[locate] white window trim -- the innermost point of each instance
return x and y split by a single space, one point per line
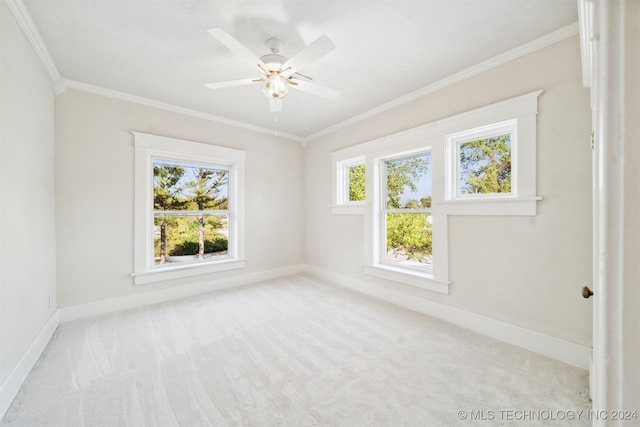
522 109
148 147
518 116
435 278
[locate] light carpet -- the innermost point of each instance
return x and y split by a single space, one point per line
289 352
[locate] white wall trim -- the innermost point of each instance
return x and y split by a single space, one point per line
585 20
147 147
122 96
23 18
525 49
12 384
574 354
113 305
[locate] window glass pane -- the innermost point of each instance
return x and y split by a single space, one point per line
188 186
189 237
408 239
485 166
357 183
409 182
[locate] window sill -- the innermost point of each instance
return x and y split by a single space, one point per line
180 271
525 206
353 209
409 277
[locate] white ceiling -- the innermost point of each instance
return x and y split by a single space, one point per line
160 49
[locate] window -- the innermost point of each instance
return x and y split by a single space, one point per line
480 162
349 186
483 161
406 211
189 208
409 239
191 215
491 160
356 183
351 182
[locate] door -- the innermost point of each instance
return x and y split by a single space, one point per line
613 41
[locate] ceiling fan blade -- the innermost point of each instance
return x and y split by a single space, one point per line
275 104
314 89
308 55
235 46
298 75
231 83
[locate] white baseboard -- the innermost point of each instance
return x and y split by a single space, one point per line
571 353
556 348
12 384
113 305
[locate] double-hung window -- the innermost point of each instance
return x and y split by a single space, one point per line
409 242
191 216
405 216
189 208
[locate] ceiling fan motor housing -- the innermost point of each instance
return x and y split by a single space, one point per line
273 61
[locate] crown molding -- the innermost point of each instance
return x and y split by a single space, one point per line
23 18
110 93
60 84
510 55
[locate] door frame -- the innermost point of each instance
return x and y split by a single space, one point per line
610 41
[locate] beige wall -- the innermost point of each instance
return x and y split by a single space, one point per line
27 236
94 193
522 270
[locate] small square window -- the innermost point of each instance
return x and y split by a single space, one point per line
484 165
482 162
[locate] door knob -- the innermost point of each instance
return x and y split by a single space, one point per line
586 292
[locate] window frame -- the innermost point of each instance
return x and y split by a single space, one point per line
384 210
521 112
205 213
454 143
149 147
342 161
344 179
405 144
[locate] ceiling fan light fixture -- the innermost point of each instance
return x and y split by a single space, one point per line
275 86
277 72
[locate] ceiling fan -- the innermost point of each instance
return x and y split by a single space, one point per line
277 72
